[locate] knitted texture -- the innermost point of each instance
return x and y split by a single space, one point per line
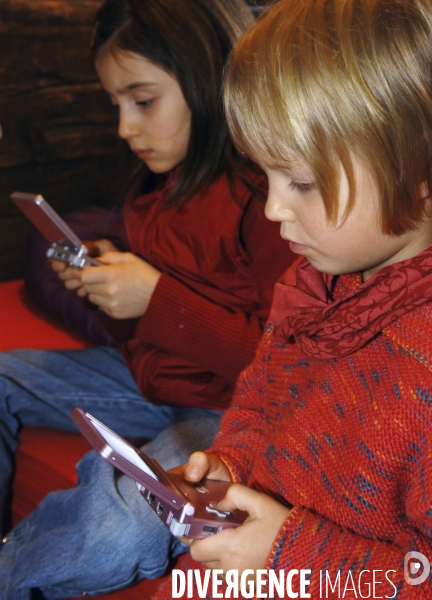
346 441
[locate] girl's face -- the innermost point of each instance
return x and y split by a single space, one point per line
153 115
356 244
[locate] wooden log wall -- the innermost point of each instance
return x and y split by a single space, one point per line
59 128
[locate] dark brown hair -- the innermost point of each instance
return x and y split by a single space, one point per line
192 40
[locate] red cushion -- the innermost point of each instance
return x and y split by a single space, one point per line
46 458
23 325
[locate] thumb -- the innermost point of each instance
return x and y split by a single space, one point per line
114 258
102 246
242 498
198 466
205 464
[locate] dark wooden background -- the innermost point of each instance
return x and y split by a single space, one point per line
59 129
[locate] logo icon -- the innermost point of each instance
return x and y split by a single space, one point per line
416 568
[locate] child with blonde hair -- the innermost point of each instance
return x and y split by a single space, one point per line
328 437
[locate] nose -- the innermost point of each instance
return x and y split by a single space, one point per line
128 126
278 208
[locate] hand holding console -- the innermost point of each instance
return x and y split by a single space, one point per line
187 510
65 245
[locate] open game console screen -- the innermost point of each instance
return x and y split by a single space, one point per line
118 445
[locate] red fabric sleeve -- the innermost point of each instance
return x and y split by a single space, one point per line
243 426
343 564
209 335
307 541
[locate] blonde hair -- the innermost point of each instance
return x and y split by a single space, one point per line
325 79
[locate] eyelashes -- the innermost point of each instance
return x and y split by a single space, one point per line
145 103
301 187
142 103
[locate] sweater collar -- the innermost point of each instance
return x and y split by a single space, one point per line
331 316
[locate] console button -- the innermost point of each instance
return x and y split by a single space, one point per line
212 508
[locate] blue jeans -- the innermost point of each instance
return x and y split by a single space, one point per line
101 535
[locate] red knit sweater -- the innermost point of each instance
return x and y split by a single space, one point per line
220 260
345 439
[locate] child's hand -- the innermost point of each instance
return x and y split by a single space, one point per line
99 247
122 288
247 546
200 465
71 275
203 464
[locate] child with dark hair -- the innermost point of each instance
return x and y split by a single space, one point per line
328 436
198 278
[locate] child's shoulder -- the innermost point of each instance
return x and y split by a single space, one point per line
413 333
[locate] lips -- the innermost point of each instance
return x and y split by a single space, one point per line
298 248
142 154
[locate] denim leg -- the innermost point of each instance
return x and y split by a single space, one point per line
40 388
101 535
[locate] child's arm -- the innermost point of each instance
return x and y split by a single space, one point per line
206 333
179 319
305 539
278 538
308 541
337 562
122 288
305 532
242 437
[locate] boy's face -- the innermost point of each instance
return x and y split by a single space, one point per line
355 244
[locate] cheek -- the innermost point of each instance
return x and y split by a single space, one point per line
356 241
172 131
173 122
313 220
183 130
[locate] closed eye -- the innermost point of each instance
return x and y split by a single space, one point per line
145 103
302 187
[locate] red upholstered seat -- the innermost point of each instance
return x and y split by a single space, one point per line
46 458
23 326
